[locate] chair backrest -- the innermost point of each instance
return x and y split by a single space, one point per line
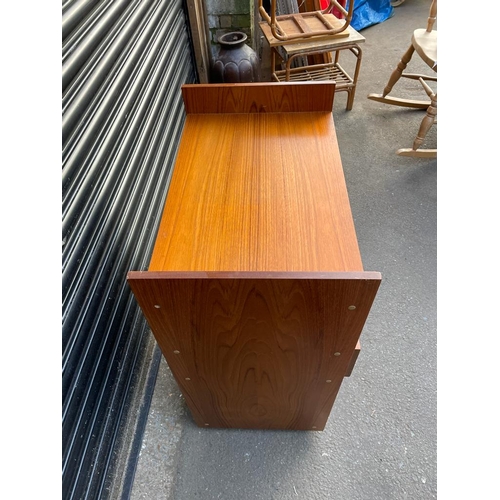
432 16
303 26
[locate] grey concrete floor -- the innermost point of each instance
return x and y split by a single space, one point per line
380 440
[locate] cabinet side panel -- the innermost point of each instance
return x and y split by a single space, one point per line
257 353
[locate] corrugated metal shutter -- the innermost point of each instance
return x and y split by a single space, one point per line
124 62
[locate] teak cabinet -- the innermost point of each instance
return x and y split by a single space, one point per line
256 292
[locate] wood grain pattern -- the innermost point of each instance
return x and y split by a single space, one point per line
258 97
256 291
257 192
252 352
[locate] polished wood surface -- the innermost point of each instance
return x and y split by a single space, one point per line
256 291
258 98
257 192
258 353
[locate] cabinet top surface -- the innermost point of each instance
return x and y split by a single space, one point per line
257 192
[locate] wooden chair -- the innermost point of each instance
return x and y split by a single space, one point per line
303 26
424 43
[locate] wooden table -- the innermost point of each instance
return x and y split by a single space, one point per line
320 68
256 291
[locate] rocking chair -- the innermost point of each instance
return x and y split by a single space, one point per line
424 43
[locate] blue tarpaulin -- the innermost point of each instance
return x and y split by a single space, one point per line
369 12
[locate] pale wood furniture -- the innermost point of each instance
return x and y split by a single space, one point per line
424 43
256 291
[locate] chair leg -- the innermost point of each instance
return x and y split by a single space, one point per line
352 91
428 120
395 76
426 124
